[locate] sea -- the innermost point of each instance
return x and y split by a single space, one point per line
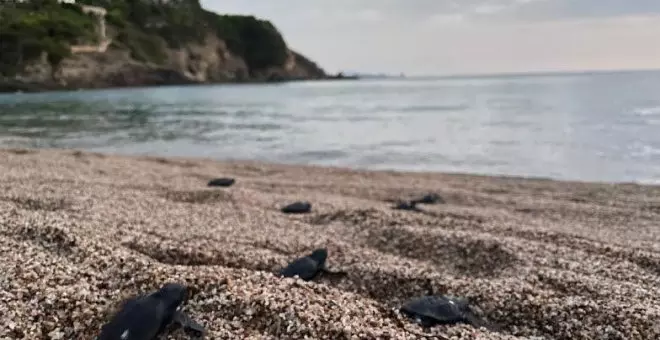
583 126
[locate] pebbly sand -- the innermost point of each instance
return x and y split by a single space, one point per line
541 259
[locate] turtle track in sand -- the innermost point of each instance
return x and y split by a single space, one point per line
580 263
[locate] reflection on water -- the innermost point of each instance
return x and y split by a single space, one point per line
590 127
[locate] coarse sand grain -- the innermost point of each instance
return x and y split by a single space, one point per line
540 259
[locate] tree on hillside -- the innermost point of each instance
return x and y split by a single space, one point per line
145 27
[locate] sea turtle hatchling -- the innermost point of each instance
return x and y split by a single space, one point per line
430 311
146 317
300 207
406 205
221 182
309 267
430 198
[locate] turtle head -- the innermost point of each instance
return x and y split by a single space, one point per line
319 255
173 294
461 302
473 314
466 307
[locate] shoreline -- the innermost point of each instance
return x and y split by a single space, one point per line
365 170
14 87
538 257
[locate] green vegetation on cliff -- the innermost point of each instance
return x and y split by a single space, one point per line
257 41
36 28
29 29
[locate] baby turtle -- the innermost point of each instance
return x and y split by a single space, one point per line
430 311
146 317
407 205
222 182
309 267
431 198
297 208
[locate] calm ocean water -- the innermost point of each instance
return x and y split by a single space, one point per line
597 127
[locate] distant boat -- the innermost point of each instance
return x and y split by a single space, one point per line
358 75
378 75
342 76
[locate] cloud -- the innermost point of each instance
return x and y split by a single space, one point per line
489 8
336 16
511 9
542 10
370 15
476 10
465 36
444 19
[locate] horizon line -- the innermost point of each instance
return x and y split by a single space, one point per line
501 74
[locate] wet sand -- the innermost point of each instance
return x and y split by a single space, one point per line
539 258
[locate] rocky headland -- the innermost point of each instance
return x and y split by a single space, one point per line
48 45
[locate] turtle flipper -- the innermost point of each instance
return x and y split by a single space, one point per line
479 322
189 325
196 329
327 271
429 287
425 321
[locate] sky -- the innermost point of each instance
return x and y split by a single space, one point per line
444 37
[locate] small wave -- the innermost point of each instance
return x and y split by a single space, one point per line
316 155
424 108
256 126
374 111
648 181
510 142
509 124
395 143
647 111
645 151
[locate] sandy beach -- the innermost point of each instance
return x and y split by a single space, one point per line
541 259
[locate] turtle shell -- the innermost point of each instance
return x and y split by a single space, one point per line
434 310
297 208
139 319
144 317
431 198
221 182
406 205
305 267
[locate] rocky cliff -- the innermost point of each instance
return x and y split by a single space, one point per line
210 62
222 49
